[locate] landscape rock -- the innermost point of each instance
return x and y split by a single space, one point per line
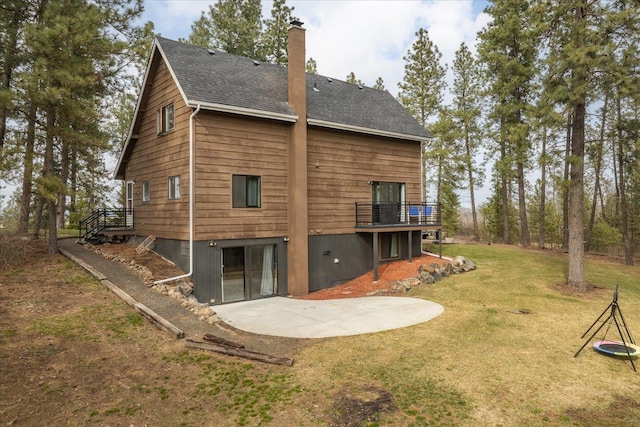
427 268
425 277
185 288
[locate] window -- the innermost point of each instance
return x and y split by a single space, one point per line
246 191
165 119
388 245
174 187
146 194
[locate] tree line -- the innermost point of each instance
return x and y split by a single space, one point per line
65 101
552 91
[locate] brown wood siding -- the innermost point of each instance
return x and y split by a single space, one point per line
227 146
341 167
155 158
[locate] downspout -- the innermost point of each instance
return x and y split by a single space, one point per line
192 186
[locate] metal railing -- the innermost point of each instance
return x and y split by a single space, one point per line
385 214
103 219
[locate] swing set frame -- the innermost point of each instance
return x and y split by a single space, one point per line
615 317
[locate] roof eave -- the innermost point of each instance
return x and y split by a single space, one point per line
119 170
263 114
368 131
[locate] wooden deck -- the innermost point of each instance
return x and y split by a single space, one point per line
119 231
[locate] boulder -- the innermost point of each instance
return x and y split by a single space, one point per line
448 269
185 288
426 269
425 278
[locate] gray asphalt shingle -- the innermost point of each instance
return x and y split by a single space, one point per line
231 80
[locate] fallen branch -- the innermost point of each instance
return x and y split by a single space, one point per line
261 357
217 340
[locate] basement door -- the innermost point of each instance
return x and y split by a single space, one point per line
249 272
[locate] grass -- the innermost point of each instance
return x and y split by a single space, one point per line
484 361
247 394
502 353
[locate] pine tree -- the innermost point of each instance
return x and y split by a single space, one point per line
422 86
312 66
423 83
508 51
202 31
76 61
234 26
444 156
13 15
351 78
274 38
584 39
466 115
379 84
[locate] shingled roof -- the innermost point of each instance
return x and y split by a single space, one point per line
214 78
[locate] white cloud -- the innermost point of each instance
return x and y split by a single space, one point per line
173 18
368 37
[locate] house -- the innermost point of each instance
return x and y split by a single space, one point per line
261 180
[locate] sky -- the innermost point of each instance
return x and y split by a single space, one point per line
366 37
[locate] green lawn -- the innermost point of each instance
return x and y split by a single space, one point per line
502 353
482 362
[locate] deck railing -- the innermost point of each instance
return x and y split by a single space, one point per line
104 219
386 214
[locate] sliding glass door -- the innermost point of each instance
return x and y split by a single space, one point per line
249 272
388 201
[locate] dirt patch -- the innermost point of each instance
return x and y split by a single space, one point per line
356 406
358 287
160 267
622 408
387 275
591 291
72 353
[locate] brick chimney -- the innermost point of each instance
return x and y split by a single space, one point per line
298 246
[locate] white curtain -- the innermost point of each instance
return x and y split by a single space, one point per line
266 287
393 251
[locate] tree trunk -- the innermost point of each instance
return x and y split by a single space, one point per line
525 237
565 190
474 215
74 184
27 177
576 276
624 206
64 174
543 189
596 186
37 218
504 196
49 177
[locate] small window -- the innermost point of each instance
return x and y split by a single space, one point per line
246 191
146 194
165 119
174 187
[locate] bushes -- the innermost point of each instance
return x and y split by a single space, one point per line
605 239
13 250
